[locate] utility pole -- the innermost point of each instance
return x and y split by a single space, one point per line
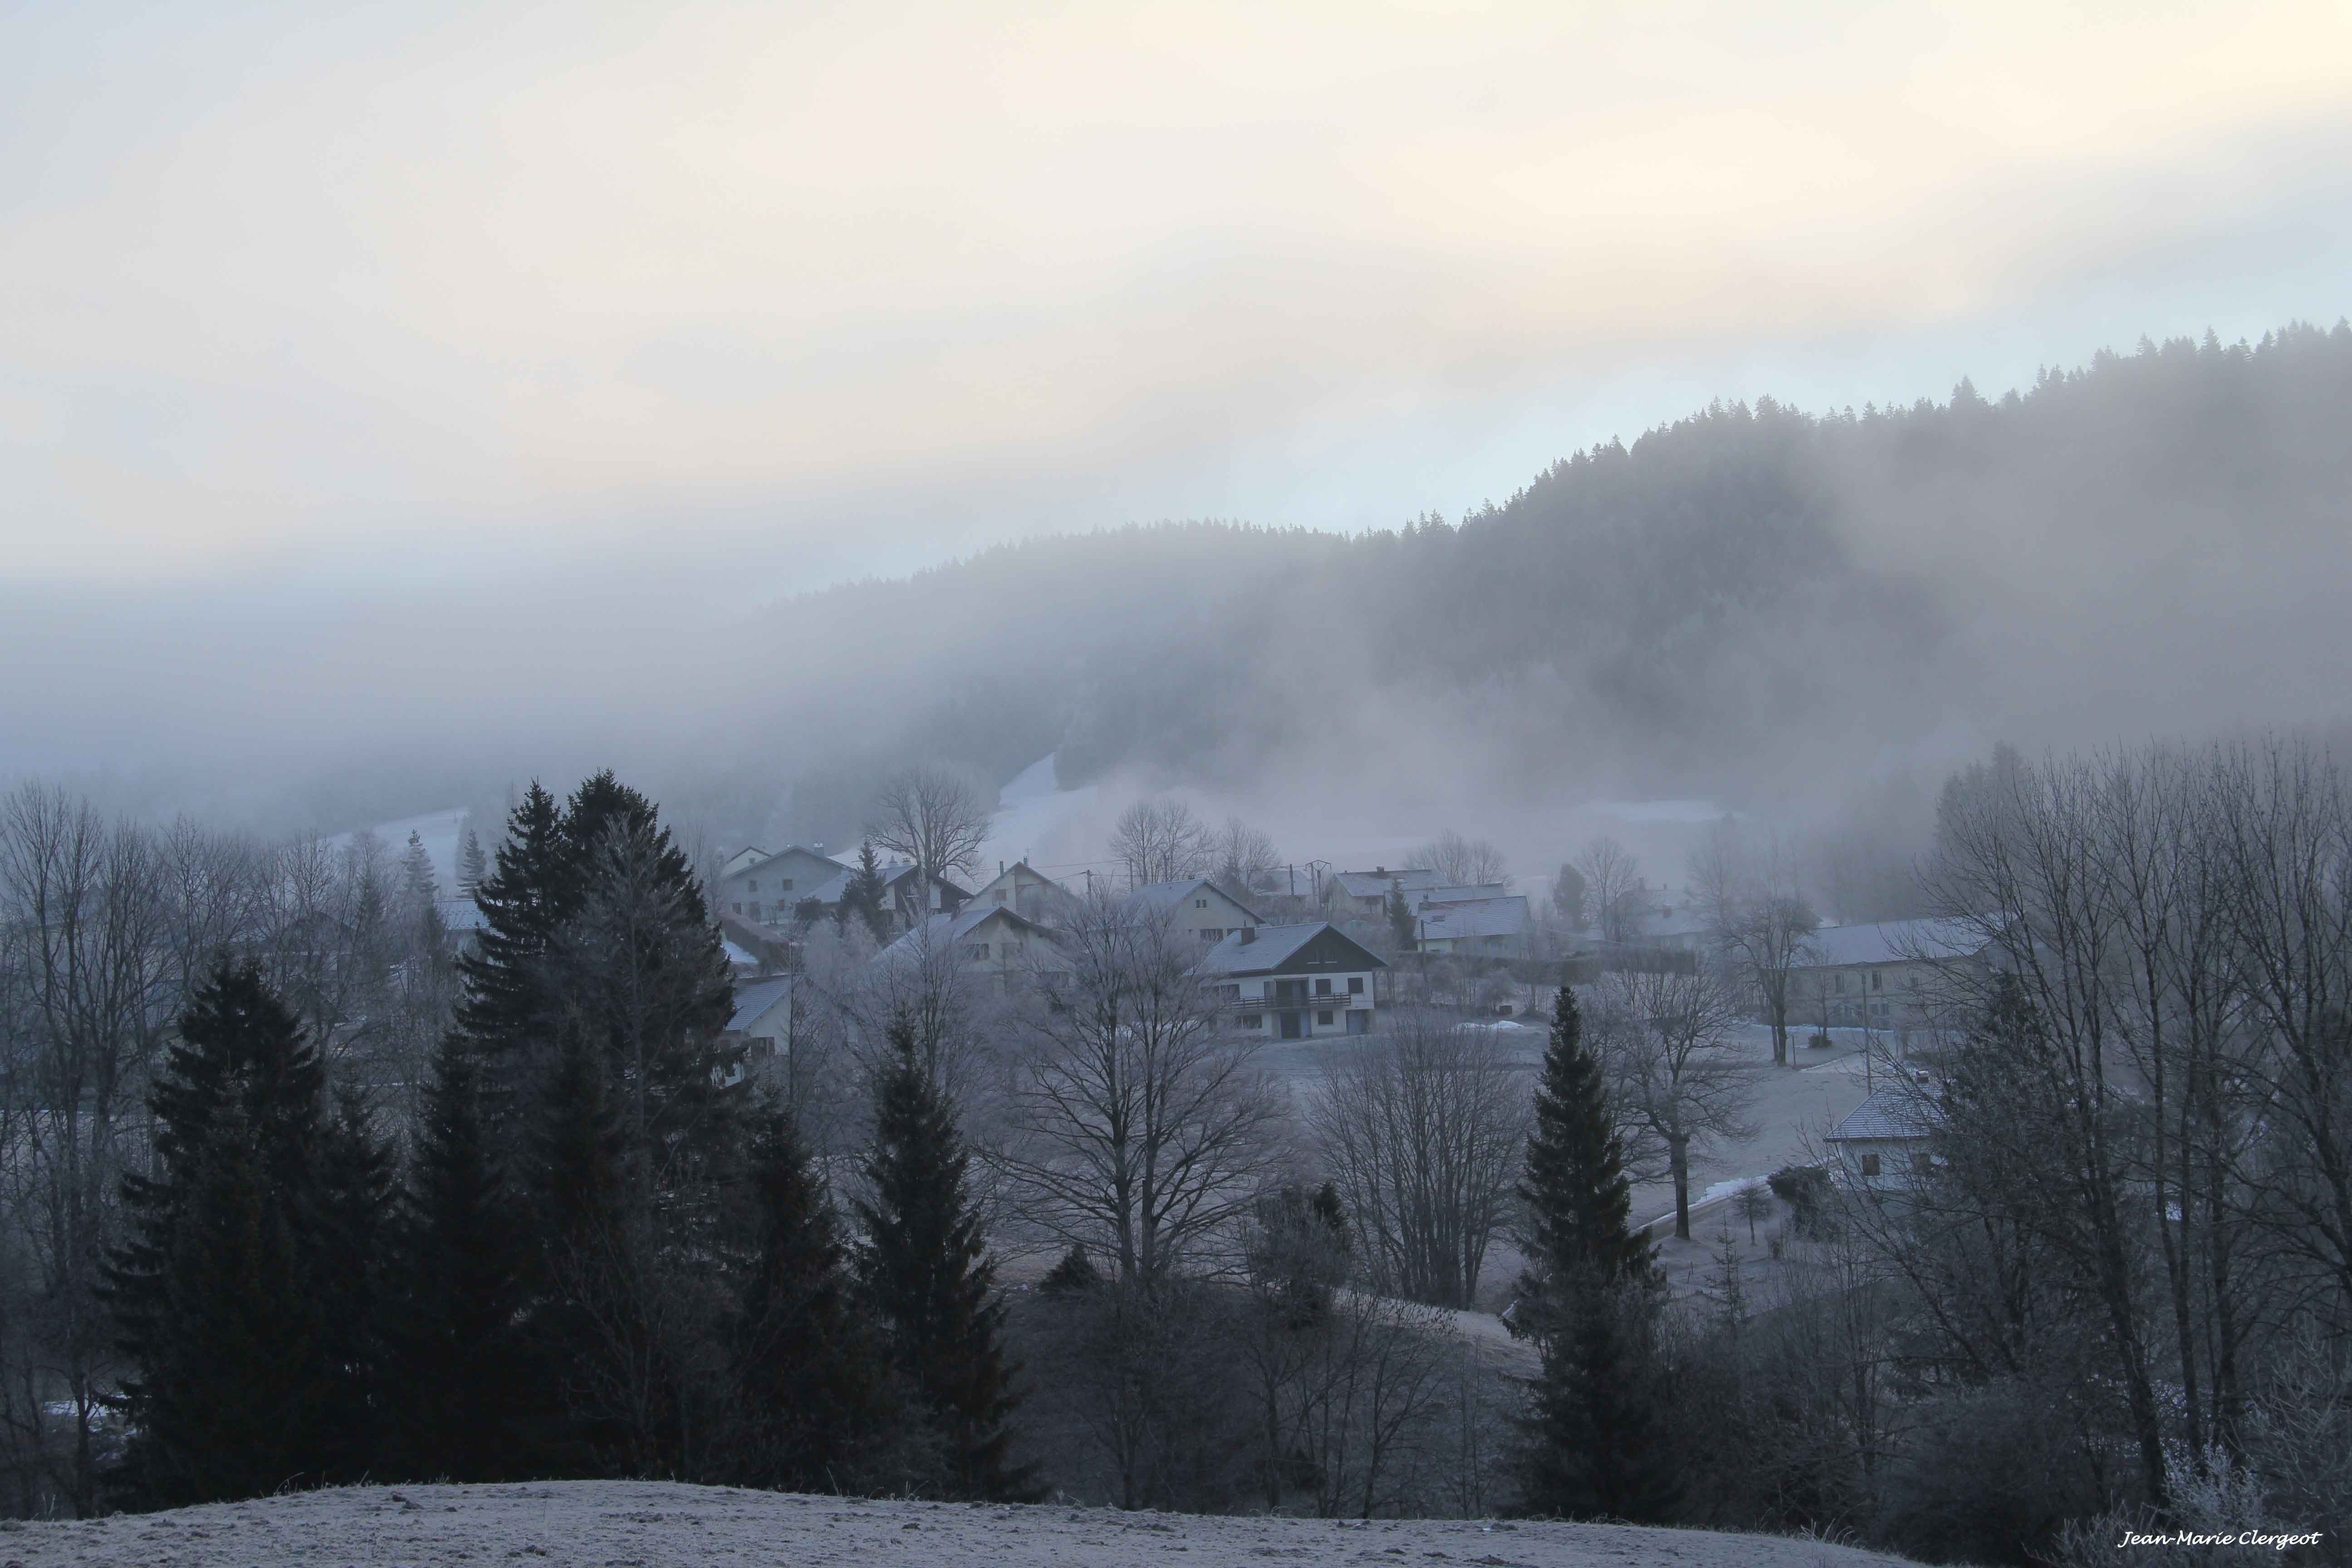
1294 879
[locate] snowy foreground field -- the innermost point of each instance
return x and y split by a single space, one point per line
635 1524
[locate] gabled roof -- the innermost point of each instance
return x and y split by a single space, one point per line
754 997
944 930
1277 948
1375 884
1889 1113
461 914
760 858
1159 897
1486 917
1469 893
1891 941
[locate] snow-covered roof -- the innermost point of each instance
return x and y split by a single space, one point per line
754 998
461 914
943 931
1891 941
1469 893
739 957
1272 948
1484 918
1375 884
1159 897
1889 1113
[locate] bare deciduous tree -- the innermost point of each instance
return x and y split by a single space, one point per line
1142 1125
1613 882
1161 840
1242 859
934 816
1663 1041
1461 862
1421 1131
1745 890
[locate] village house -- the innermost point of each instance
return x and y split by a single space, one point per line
1894 974
1888 1138
763 888
760 1029
983 941
1483 927
1364 895
1295 982
1026 892
1195 905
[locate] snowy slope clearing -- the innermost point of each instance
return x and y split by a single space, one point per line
649 1524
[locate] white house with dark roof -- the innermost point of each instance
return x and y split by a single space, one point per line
1194 905
1295 982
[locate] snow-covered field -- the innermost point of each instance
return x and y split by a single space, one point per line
642 1524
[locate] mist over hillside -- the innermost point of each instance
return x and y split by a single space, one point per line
1758 606
1809 614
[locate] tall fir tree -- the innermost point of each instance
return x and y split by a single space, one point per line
472 864
865 898
505 1008
470 1401
584 1259
805 1373
352 1241
928 1278
1594 1440
233 1384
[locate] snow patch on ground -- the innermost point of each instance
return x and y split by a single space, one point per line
585 1524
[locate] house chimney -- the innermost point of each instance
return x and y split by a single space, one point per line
1249 935
1379 870
818 847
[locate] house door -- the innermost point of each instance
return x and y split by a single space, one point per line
1294 1025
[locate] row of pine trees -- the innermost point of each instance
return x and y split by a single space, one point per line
592 1256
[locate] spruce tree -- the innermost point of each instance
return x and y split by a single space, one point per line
507 1006
805 1373
928 1279
865 896
1401 923
351 1241
470 1399
583 1259
233 1384
472 866
1593 1440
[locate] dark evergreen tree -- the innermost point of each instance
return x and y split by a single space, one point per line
1593 1440
351 1239
472 864
1401 923
928 1277
469 1396
232 1386
806 1375
584 1261
505 1010
864 898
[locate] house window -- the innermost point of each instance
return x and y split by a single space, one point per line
786 885
1355 985
1000 896
1252 1021
1840 984
1870 1165
1199 903
1322 988
1922 1162
1877 980
976 950
1230 993
1294 1025
1323 1018
752 885
1359 1022
739 909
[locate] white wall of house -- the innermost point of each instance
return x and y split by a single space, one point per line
1322 1004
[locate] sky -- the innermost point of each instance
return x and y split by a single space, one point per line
617 320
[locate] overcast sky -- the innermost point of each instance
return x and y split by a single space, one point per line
371 306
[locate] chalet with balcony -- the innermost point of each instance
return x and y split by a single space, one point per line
1295 982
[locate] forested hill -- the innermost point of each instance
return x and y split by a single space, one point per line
1748 599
